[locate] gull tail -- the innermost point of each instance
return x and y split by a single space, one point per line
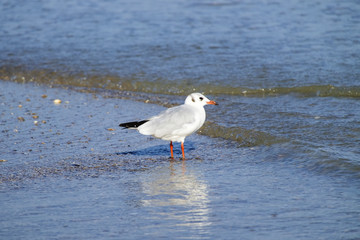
133 124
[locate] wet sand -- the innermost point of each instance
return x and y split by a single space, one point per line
69 171
54 130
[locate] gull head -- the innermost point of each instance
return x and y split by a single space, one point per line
197 99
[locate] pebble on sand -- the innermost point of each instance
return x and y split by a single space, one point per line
57 101
21 119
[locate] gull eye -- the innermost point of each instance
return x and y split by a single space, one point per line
201 98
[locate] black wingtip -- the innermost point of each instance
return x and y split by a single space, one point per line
132 124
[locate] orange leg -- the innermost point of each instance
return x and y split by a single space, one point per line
171 149
182 149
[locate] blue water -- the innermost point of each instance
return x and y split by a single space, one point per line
243 43
204 202
74 178
277 159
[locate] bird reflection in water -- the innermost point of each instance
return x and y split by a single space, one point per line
176 194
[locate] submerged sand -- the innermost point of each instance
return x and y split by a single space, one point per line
55 131
68 171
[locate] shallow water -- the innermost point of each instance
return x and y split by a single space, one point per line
278 158
71 178
255 44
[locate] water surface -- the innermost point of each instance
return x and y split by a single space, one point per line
278 158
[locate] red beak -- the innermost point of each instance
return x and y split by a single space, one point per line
212 102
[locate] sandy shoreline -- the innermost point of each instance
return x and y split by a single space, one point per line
79 136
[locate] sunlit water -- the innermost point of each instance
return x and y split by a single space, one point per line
278 158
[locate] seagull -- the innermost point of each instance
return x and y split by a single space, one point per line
176 123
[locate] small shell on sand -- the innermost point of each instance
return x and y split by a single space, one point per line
57 101
21 119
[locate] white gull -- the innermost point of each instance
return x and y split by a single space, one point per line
176 123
